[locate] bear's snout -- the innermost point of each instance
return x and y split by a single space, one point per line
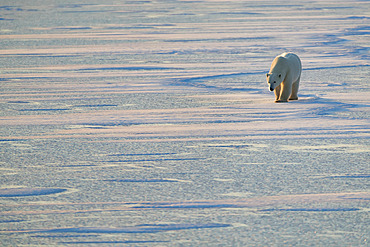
271 89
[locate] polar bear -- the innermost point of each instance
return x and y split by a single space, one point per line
284 76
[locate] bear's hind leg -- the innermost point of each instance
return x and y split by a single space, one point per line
294 95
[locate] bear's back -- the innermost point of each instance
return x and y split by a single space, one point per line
294 61
290 56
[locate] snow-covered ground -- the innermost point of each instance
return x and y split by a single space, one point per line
150 123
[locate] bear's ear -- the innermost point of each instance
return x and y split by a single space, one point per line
279 75
267 75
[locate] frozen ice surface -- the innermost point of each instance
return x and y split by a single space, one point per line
149 123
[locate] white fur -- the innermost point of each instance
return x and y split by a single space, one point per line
284 77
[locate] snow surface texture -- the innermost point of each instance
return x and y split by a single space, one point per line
149 123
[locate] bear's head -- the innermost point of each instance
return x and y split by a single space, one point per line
274 80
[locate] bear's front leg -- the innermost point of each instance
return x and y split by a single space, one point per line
285 92
277 92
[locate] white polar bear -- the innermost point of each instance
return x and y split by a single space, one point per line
284 76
